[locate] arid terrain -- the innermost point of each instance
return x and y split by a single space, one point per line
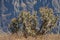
44 37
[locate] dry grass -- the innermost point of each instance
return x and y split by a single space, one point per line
44 37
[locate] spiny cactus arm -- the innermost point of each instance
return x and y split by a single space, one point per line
47 14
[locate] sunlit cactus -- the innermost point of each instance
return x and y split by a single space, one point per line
49 19
29 21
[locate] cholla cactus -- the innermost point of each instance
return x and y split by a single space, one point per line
14 26
49 20
29 21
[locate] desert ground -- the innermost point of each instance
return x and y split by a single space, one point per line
42 37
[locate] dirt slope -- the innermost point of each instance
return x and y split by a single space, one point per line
44 37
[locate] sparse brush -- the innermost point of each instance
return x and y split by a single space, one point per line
30 22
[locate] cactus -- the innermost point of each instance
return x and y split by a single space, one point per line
14 26
49 20
30 22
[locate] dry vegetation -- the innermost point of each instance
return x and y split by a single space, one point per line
29 23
